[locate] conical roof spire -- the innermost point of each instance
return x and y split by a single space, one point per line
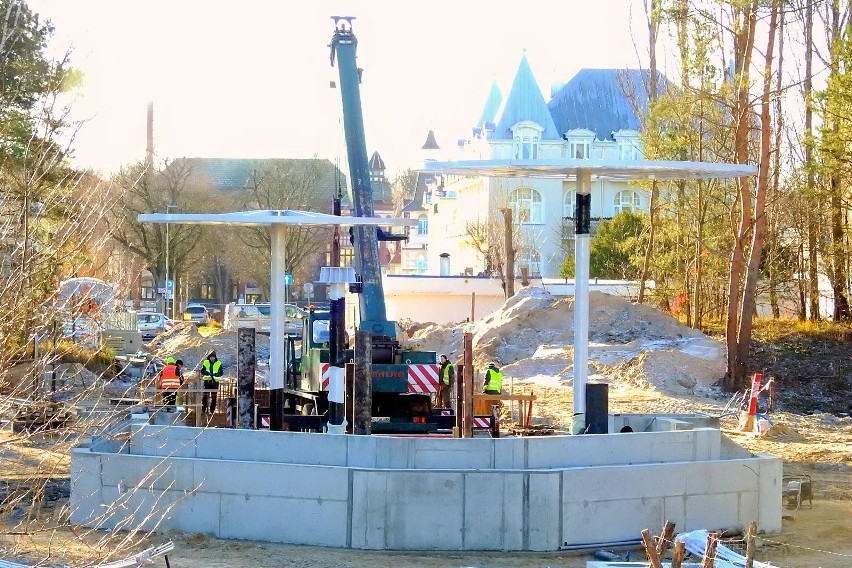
431 143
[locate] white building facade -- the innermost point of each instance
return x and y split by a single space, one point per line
461 217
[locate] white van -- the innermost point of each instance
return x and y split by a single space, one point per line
257 316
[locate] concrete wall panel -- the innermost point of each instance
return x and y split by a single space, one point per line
614 482
769 493
544 521
596 522
279 447
274 480
492 508
149 472
361 451
369 509
276 519
173 441
721 477
510 453
476 453
711 511
394 453
425 510
86 485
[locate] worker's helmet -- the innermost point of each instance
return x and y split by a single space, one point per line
444 356
492 365
170 361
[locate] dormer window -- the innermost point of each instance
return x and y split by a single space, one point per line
579 150
579 143
526 136
525 148
629 145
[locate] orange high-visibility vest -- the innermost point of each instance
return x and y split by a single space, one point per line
169 378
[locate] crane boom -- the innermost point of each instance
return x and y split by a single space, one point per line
365 239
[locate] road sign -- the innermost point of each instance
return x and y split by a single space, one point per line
308 288
288 279
170 284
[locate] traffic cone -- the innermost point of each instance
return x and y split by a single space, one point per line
748 418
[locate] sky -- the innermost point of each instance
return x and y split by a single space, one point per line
251 79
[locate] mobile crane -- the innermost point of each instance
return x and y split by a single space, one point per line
402 381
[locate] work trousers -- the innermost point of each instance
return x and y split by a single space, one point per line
443 398
170 397
208 401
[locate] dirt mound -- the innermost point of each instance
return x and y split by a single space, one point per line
531 336
187 343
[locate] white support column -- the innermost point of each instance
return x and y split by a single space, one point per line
277 301
581 298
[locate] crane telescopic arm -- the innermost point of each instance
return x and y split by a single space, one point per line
365 239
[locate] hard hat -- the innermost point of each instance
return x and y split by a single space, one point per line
170 361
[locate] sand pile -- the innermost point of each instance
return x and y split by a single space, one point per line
531 337
185 342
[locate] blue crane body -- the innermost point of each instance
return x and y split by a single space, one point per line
365 239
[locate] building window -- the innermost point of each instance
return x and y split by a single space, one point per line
527 206
628 150
423 225
422 264
526 148
626 200
568 205
531 259
580 150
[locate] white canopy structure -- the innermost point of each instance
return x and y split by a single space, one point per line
276 220
583 171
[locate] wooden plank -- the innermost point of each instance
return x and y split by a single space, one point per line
467 417
678 554
751 544
710 550
651 549
493 397
665 537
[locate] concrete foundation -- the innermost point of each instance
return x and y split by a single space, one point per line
372 492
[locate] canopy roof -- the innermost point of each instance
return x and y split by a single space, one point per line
611 169
271 217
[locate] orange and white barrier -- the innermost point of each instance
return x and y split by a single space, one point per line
747 418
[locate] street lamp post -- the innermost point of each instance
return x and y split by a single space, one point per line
166 305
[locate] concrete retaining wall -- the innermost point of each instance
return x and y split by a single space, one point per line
422 494
382 452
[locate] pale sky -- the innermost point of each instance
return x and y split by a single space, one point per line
251 79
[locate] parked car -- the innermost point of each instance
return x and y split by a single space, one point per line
152 324
257 316
197 314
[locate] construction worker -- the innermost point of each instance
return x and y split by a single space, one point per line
446 378
493 380
211 371
170 382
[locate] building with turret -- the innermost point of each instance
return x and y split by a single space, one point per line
590 117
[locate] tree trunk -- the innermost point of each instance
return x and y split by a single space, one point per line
772 221
699 260
652 13
759 230
837 272
508 240
813 269
744 42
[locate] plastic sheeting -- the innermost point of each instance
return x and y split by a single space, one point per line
695 542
